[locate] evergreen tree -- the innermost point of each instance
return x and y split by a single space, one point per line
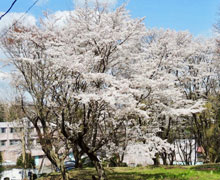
1 160
29 161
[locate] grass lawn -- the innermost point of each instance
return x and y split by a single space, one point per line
203 172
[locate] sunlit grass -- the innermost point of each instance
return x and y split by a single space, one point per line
204 172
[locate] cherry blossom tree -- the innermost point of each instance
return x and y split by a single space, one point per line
34 79
193 61
97 76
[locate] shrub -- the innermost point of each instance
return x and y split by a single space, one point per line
29 161
1 160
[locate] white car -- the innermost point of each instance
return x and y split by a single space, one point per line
13 174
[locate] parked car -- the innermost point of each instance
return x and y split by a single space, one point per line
68 165
18 174
15 174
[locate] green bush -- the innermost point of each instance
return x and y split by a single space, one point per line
114 162
1 160
86 162
29 161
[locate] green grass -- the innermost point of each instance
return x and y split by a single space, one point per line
203 172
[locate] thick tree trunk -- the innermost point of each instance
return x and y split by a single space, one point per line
100 170
78 157
53 157
93 157
78 162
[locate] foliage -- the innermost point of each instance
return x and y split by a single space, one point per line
86 162
2 113
1 161
203 172
101 80
29 161
206 129
10 112
14 112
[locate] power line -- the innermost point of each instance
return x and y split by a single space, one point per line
35 2
8 9
25 13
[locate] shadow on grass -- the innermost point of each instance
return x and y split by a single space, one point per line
139 174
50 176
155 176
208 168
166 166
113 175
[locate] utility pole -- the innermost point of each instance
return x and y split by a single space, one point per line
24 153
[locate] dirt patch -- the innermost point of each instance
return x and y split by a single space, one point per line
174 167
207 169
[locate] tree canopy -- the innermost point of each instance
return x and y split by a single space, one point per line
101 80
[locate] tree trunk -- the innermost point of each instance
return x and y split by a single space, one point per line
164 158
156 160
78 162
122 157
54 159
171 157
98 166
100 170
93 157
77 156
64 173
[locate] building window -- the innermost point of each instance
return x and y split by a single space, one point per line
12 130
3 130
3 143
14 142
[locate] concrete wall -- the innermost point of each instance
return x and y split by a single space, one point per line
11 142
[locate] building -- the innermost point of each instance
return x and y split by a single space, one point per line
185 152
11 135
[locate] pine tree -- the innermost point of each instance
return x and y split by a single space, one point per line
1 160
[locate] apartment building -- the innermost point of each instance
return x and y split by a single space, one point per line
11 134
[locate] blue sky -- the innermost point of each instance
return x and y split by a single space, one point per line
197 16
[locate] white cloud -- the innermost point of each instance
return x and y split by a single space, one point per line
10 18
42 2
5 76
110 3
5 23
58 19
